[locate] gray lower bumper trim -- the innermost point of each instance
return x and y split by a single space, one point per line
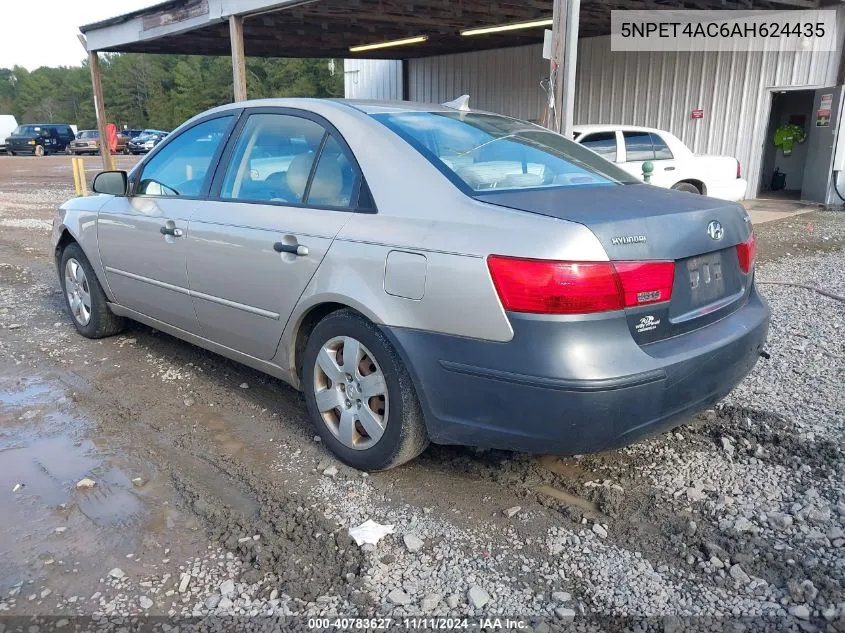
562 384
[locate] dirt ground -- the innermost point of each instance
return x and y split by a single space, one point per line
209 471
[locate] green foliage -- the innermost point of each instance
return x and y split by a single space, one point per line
158 91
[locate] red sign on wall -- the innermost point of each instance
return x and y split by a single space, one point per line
698 113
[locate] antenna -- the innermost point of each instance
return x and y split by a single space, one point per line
461 103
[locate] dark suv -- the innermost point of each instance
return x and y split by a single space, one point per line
39 139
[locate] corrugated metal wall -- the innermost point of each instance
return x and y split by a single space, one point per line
505 80
372 79
656 89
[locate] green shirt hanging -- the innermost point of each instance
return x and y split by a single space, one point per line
787 135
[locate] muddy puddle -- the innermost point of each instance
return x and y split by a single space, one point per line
51 529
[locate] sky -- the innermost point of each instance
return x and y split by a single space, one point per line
51 39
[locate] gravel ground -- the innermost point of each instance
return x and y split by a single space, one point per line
213 498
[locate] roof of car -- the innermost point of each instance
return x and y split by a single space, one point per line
601 127
378 107
364 105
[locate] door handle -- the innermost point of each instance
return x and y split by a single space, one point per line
668 169
169 230
294 249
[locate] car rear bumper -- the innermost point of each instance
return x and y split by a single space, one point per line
567 386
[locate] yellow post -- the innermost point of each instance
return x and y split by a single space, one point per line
77 187
83 181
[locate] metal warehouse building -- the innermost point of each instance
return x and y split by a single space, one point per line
742 97
730 101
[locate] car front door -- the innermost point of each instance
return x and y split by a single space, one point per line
142 236
284 189
602 143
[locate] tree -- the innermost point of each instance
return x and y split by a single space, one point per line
159 91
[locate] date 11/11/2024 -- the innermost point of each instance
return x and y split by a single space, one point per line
420 623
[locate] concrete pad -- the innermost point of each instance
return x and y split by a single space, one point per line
762 210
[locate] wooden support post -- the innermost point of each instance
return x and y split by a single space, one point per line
564 58
840 74
236 36
100 108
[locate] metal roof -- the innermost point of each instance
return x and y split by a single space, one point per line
328 28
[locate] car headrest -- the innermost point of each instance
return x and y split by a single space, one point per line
328 181
298 172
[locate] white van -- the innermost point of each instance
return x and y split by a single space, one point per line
7 124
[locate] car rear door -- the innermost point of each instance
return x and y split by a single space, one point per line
641 146
284 189
142 237
64 135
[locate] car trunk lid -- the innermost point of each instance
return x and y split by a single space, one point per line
645 223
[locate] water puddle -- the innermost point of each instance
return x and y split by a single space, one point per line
46 448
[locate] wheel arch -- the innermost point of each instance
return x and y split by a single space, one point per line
65 237
79 231
695 182
302 324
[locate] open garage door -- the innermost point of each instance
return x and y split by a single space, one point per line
821 143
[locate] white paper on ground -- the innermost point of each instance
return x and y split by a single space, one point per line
369 532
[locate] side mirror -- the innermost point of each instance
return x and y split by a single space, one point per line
113 183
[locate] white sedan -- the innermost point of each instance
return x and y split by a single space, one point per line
675 166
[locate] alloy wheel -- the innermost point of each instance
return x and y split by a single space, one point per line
351 392
78 292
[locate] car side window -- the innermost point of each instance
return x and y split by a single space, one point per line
334 178
180 168
273 159
602 143
661 150
638 146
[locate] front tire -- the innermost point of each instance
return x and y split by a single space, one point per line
84 296
359 395
38 151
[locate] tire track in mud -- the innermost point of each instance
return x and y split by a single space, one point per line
298 552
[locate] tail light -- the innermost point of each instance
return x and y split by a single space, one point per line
747 253
738 170
556 287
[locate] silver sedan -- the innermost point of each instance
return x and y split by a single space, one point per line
423 274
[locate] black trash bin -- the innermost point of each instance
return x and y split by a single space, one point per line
778 180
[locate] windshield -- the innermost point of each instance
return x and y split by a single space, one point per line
27 130
486 153
89 134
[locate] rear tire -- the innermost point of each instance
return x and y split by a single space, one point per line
382 431
686 186
79 282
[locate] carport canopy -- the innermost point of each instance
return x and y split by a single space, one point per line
336 28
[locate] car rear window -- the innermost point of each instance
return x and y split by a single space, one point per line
487 152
